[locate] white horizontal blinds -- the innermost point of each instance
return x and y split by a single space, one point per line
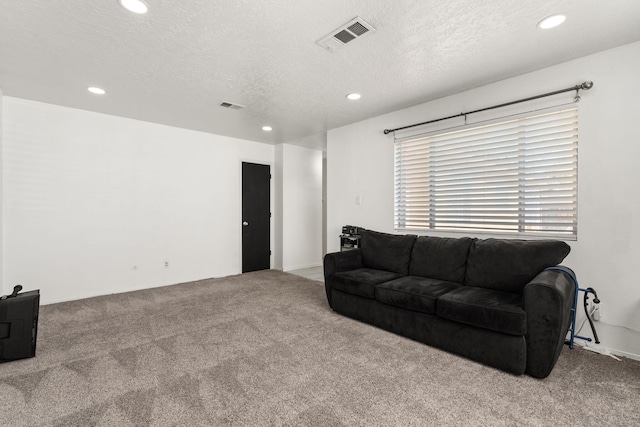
518 175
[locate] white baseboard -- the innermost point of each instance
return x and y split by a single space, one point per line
287 269
625 354
618 340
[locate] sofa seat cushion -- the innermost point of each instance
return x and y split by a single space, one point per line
362 281
414 293
485 308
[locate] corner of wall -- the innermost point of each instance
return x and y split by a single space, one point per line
278 214
324 203
301 192
2 292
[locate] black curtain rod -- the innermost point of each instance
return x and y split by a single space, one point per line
585 85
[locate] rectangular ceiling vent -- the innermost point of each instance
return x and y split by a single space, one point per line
232 106
350 31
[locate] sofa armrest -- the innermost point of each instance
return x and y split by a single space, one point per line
340 261
548 302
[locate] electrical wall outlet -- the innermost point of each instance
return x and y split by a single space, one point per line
597 311
166 264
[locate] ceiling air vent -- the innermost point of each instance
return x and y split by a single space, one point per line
350 31
232 106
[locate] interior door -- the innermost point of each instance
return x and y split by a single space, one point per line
256 214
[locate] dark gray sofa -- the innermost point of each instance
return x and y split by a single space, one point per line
490 300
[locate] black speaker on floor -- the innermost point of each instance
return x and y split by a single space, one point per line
18 324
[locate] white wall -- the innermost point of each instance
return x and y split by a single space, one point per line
89 196
2 285
324 203
279 205
607 249
302 206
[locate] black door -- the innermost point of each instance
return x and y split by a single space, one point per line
256 216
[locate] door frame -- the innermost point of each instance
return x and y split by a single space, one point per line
271 208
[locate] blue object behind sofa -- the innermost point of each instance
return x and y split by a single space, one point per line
486 299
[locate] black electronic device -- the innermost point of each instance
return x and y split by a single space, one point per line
350 237
19 324
351 229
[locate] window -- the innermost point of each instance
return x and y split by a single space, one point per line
515 175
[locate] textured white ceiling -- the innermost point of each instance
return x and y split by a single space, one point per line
177 63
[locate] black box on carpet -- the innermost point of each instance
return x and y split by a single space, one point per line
19 324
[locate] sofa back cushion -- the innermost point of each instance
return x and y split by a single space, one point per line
388 252
440 258
508 265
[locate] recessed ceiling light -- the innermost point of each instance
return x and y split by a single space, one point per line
135 6
96 90
353 96
551 21
267 128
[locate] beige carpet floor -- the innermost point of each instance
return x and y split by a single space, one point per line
265 349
